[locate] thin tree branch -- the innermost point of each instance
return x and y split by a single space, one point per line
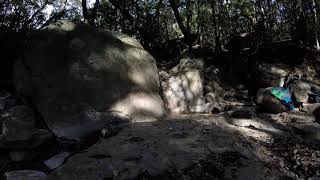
24 26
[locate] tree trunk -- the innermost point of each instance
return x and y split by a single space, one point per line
260 12
124 13
217 49
199 21
189 15
179 20
85 10
94 12
6 6
316 24
145 33
25 25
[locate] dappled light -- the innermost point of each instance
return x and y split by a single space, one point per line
62 26
176 143
140 105
84 83
159 90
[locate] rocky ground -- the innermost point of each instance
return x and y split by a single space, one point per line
236 146
239 143
202 147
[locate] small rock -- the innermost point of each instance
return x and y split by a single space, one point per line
56 160
25 175
164 75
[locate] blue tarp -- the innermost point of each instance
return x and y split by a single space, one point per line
283 94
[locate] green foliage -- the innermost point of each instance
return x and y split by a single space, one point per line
153 21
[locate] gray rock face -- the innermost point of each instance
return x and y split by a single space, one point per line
184 92
183 88
76 75
269 103
271 75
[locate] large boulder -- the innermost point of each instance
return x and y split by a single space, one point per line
77 76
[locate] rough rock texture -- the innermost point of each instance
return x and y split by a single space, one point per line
184 92
76 75
300 90
188 64
269 103
271 75
213 87
188 147
182 88
201 147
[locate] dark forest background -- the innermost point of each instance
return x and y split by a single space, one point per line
169 28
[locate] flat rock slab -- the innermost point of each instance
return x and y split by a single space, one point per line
255 123
184 147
